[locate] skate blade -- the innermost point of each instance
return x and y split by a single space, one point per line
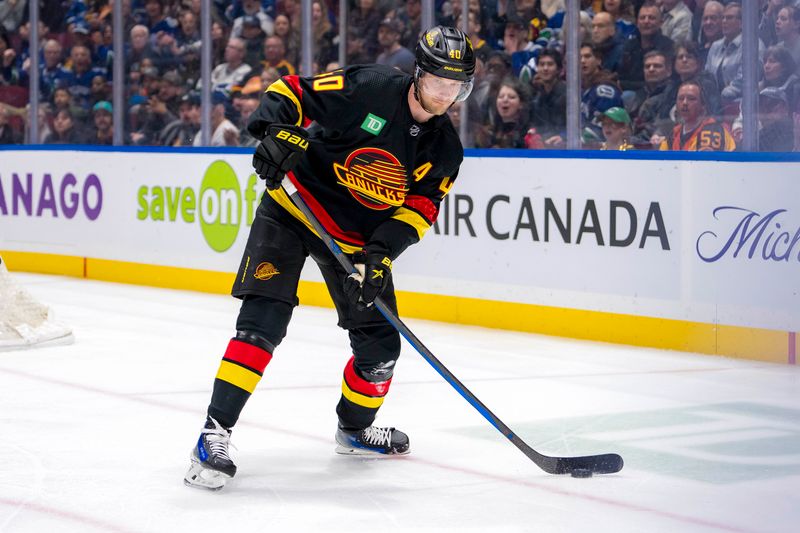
201 477
351 450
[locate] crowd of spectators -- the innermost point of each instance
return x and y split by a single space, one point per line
655 74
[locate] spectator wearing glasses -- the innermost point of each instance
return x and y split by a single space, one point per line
724 60
687 67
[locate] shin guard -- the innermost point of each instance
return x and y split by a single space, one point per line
360 399
239 372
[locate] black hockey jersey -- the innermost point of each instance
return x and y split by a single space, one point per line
371 174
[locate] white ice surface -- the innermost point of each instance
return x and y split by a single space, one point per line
95 436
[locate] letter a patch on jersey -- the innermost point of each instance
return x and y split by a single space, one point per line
373 124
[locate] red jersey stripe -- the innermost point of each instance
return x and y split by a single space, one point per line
350 237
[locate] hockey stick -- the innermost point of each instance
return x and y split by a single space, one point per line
595 464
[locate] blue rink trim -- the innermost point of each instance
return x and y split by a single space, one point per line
634 155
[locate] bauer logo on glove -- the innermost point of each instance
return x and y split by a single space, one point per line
279 152
362 289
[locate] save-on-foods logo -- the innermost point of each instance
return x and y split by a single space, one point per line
219 205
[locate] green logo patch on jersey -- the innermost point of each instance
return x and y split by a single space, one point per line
373 124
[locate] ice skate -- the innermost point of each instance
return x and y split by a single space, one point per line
211 465
372 441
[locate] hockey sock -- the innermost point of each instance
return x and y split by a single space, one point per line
239 372
360 399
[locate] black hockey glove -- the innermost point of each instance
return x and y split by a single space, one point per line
374 269
279 152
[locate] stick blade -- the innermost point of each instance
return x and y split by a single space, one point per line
609 463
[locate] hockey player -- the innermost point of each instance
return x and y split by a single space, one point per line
372 152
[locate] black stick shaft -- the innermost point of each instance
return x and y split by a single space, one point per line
554 465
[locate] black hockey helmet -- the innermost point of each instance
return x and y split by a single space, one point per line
446 52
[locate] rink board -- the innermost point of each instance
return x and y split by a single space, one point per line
697 255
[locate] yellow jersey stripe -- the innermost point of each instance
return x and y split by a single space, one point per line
281 88
360 399
238 376
413 219
280 196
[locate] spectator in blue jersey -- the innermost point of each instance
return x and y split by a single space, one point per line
235 8
102 39
648 22
516 43
252 9
80 75
51 70
157 20
622 12
600 91
76 12
393 53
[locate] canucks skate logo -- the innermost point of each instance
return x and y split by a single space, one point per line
374 177
265 271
